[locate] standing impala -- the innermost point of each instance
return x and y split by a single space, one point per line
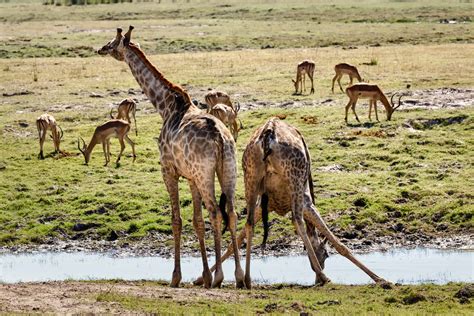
345 69
374 94
102 134
304 67
124 109
43 123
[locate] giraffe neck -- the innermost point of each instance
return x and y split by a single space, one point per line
169 99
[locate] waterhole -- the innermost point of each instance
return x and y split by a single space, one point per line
406 266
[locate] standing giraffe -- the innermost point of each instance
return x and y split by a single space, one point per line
277 175
193 145
304 67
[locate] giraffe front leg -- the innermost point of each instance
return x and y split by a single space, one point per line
171 183
318 222
297 210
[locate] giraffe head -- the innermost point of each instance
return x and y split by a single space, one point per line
115 47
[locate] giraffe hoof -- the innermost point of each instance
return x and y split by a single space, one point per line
248 283
385 284
322 280
199 281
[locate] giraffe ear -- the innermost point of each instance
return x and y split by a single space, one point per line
128 36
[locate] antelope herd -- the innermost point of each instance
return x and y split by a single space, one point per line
196 145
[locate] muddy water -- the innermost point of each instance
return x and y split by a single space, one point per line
408 266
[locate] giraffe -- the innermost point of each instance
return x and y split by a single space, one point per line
277 176
193 145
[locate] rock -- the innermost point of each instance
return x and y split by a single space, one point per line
78 227
398 227
413 298
442 227
112 236
466 292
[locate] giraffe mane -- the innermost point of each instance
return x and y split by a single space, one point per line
173 87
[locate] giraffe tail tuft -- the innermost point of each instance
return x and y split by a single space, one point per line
225 216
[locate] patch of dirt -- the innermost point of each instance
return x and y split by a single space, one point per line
85 297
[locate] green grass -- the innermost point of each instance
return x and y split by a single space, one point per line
419 179
285 299
223 26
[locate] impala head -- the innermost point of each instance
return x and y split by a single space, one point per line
394 107
296 85
115 47
321 251
84 151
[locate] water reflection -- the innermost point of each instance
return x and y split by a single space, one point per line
408 266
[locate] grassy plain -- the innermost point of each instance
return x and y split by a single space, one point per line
417 179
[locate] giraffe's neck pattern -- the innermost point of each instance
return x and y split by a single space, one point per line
170 100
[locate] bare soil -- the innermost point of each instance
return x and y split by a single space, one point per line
82 297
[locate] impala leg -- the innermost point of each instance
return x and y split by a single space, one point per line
316 219
339 82
333 82
132 144
312 83
347 108
171 183
370 110
199 228
104 148
42 139
353 109
122 148
375 108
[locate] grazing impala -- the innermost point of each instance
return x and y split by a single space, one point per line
43 123
345 69
102 134
304 67
214 97
228 115
125 108
374 94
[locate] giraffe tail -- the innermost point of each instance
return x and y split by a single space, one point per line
264 206
225 216
269 138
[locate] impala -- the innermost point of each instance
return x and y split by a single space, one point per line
374 94
228 115
102 134
214 97
304 67
125 108
43 123
345 69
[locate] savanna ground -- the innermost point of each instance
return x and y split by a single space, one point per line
407 181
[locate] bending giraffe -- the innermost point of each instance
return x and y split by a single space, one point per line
304 67
277 176
193 145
